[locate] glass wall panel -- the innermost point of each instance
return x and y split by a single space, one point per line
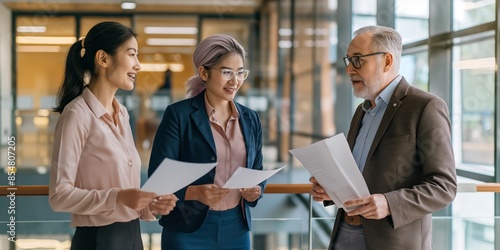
41 47
363 13
325 49
473 213
284 71
474 105
415 68
303 69
313 88
468 13
268 66
166 45
412 20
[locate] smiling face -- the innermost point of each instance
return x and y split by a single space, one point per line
371 78
124 66
218 88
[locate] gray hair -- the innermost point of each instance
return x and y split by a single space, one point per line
384 39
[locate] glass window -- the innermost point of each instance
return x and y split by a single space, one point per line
41 47
333 42
473 218
166 45
415 68
474 105
303 69
412 20
468 13
363 13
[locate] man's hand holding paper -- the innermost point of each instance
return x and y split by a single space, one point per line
374 207
331 163
318 192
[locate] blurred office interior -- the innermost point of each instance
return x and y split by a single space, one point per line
297 83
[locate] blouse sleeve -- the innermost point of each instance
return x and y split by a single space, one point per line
71 133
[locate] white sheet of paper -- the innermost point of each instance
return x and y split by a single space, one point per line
331 162
172 175
247 178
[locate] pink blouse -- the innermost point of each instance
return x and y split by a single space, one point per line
92 160
231 153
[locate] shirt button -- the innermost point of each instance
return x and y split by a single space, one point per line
130 162
212 158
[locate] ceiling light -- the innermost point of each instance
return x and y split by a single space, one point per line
35 48
161 67
285 32
31 29
171 41
171 30
128 5
45 39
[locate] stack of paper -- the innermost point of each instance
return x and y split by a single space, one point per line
331 162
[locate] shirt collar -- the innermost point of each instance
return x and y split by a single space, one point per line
96 106
211 110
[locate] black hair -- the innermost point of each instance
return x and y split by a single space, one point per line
106 36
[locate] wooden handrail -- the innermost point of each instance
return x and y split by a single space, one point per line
488 187
32 190
41 190
288 188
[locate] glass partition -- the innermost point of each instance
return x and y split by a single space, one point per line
415 68
474 102
412 20
471 13
41 47
363 13
465 233
267 233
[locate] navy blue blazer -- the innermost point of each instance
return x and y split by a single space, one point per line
184 134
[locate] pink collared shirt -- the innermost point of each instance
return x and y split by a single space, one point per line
93 158
231 153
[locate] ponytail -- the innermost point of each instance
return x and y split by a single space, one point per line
194 86
73 83
80 66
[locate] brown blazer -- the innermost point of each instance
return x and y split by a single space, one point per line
411 162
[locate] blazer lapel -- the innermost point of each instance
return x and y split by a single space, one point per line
246 131
392 107
199 117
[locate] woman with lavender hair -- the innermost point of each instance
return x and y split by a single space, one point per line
210 126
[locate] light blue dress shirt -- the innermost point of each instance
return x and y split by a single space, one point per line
371 122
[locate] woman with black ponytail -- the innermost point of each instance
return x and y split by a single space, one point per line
95 170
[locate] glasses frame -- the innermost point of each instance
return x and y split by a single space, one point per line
234 73
349 59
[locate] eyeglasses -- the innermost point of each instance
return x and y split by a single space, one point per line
229 74
355 60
